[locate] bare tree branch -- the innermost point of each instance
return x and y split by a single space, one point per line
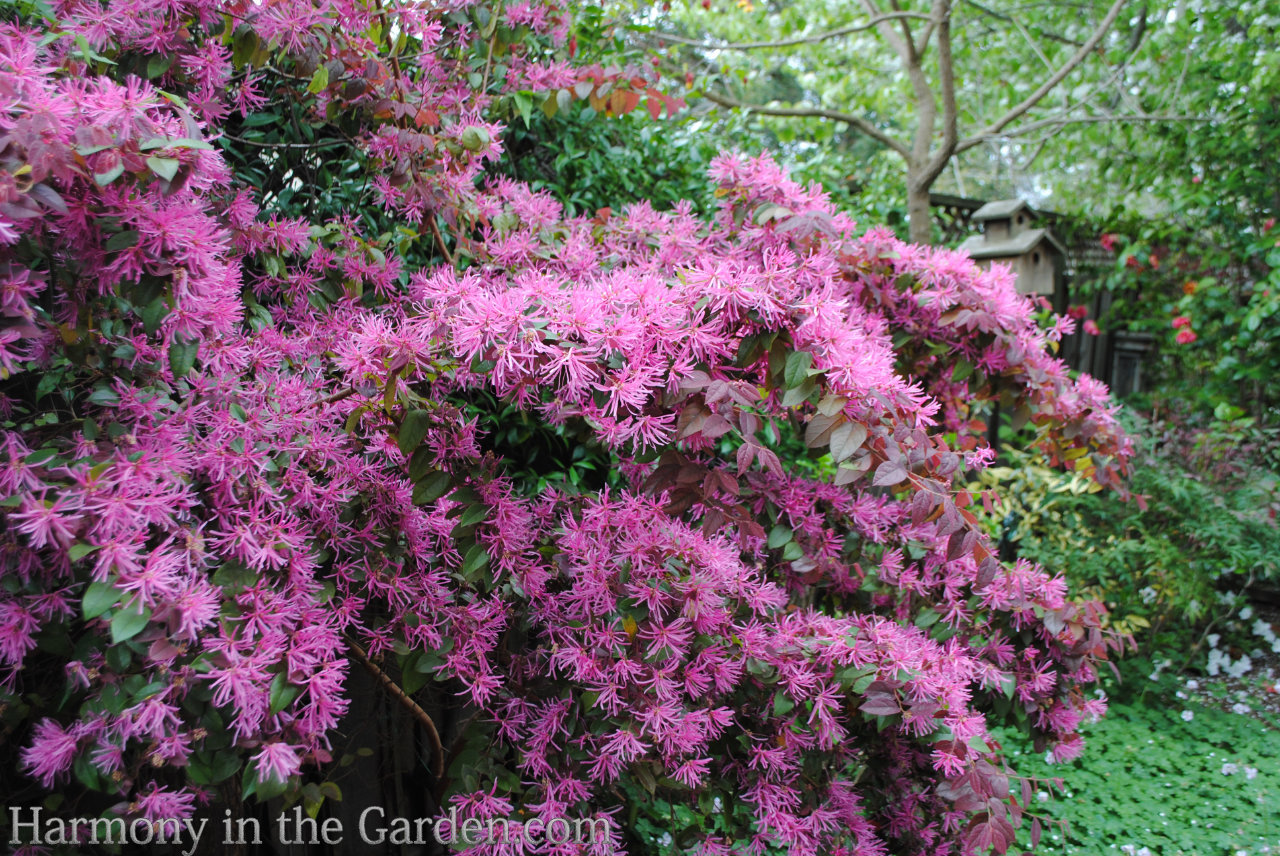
1008 19
1048 85
389 684
947 81
1058 122
792 42
906 32
885 26
853 121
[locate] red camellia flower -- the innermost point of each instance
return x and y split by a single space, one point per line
1091 327
1132 263
1186 336
1108 241
1078 312
1269 225
1181 321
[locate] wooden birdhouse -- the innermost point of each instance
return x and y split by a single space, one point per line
1010 235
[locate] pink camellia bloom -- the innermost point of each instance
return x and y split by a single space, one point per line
1091 327
1181 321
1186 336
1108 241
1078 312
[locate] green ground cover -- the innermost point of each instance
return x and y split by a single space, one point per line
1165 775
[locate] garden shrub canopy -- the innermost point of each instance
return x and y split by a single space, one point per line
244 437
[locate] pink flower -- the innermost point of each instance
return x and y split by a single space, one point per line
1108 241
1091 327
1186 337
50 753
277 761
1078 312
1181 321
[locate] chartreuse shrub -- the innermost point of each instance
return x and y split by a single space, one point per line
665 503
1198 525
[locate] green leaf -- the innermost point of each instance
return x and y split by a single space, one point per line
319 80
154 313
182 357
98 598
477 557
797 368
926 619
432 486
158 65
781 704
474 138
122 241
102 179
779 535
412 430
128 623
179 143
473 515
79 550
166 168
524 105
282 693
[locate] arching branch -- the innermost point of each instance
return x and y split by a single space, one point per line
853 121
791 42
1048 85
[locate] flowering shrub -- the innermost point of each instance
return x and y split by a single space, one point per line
248 442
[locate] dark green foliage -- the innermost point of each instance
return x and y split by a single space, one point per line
589 161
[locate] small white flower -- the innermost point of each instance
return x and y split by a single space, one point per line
1193 685
1180 694
1213 640
1187 716
1251 773
1229 769
1240 708
1246 613
1043 796
1148 594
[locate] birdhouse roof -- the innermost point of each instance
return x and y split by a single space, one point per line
1001 209
1024 242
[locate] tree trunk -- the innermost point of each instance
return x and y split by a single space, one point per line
919 216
